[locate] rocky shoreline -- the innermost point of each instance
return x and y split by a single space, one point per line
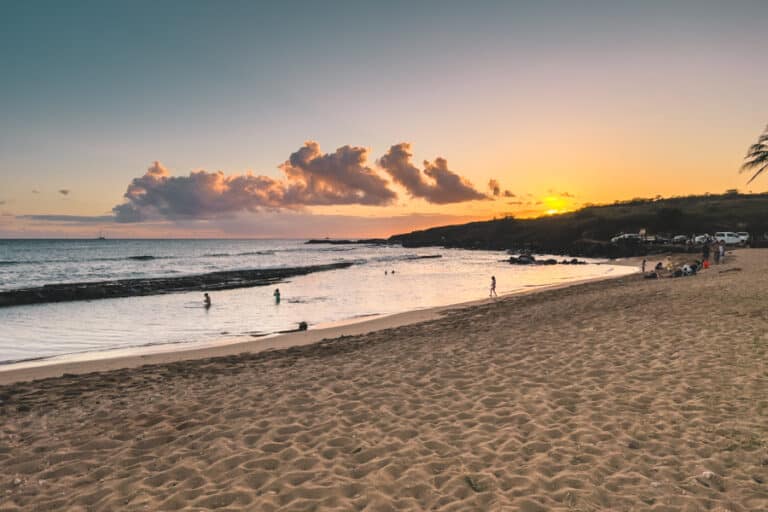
223 280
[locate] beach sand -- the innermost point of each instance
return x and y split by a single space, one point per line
627 394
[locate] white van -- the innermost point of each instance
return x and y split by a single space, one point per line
729 237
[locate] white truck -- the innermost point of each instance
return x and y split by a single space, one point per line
729 237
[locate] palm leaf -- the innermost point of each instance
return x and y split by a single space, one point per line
757 157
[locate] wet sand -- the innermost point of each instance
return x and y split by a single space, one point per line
626 394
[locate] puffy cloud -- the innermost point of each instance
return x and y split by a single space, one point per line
311 178
445 187
494 187
567 194
334 178
64 192
202 194
507 193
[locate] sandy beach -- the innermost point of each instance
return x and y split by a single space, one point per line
623 394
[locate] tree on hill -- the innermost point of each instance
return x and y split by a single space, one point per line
757 156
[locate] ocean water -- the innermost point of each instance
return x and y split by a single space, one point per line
367 288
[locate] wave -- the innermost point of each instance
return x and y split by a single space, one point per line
139 257
405 257
229 254
256 253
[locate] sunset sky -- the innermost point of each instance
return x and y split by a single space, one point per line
365 118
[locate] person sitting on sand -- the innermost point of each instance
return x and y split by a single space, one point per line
206 300
493 287
277 295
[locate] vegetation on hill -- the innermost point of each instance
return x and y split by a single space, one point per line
587 232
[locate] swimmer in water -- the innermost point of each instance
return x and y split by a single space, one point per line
277 295
206 300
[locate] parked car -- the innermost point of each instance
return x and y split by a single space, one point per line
700 239
680 239
744 237
729 237
626 237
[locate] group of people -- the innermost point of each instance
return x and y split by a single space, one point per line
716 250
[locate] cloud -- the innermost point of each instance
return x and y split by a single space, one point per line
494 187
333 178
68 218
507 193
311 178
64 191
35 191
445 186
567 194
515 202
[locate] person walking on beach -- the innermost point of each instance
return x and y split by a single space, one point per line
493 287
642 268
206 300
277 295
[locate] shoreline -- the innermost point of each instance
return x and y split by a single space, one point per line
608 395
133 357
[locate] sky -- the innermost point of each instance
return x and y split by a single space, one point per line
346 118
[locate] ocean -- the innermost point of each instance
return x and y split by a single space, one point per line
382 280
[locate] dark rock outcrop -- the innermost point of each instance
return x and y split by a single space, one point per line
223 280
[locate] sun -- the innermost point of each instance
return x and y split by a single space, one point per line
555 205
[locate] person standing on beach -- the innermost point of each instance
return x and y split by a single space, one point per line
206 300
642 268
277 295
493 287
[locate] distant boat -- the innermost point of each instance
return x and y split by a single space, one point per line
101 237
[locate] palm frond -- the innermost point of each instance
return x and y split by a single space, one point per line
758 173
757 156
